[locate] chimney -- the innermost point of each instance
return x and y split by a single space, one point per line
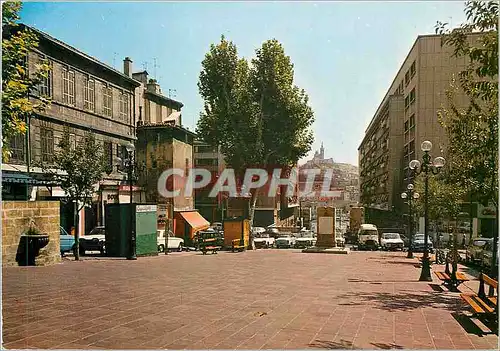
153 86
127 66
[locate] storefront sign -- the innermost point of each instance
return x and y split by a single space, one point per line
145 208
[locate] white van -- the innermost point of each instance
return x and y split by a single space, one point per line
368 237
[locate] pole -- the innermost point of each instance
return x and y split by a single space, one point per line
410 225
76 219
425 275
132 255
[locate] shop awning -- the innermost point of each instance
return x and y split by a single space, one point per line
24 178
195 220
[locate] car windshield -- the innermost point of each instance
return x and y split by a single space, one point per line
391 236
97 231
369 232
479 243
419 237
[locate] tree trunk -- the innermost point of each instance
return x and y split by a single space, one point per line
494 267
77 231
253 202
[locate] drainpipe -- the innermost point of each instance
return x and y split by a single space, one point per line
28 153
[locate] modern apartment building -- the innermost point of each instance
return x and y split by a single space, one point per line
87 95
407 115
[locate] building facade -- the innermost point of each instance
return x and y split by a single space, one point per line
405 118
87 95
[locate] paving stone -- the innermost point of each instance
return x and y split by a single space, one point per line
279 299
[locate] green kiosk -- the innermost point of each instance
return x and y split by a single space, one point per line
127 224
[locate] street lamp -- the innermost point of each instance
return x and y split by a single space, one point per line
433 167
129 162
411 195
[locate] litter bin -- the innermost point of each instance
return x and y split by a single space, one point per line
29 248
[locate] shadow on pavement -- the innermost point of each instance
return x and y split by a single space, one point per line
468 324
386 346
405 301
332 345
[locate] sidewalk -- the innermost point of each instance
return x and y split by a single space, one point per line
269 299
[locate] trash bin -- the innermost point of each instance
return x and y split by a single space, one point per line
29 248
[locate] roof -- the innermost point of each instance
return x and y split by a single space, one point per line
164 99
82 54
157 125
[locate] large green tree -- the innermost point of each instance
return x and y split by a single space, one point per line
77 167
254 111
473 131
17 81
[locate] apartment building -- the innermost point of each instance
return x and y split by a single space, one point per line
406 117
87 95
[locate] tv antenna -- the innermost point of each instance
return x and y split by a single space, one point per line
145 65
114 59
155 66
172 93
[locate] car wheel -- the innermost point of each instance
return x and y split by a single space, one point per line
161 248
179 249
102 249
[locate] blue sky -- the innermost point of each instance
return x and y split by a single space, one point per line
345 54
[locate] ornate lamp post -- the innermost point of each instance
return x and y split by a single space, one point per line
433 167
411 195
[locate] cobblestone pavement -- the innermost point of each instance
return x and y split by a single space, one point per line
265 299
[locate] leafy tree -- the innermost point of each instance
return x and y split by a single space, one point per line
254 111
444 202
473 131
77 168
17 81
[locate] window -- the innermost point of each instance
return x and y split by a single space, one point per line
108 152
187 167
107 94
123 105
68 77
412 146
400 88
89 94
72 141
407 78
44 87
17 148
206 162
407 102
406 126
122 153
412 120
412 95
413 69
47 144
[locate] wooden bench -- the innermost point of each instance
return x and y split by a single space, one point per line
483 304
236 245
450 281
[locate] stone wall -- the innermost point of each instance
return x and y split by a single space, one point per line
16 217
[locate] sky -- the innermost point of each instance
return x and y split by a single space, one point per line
345 54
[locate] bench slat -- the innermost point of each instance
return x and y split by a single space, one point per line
483 304
461 276
469 299
490 282
493 300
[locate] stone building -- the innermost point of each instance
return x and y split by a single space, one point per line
87 95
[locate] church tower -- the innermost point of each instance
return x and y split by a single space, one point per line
322 152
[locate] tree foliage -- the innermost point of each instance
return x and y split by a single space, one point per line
254 111
77 169
473 131
17 81
444 201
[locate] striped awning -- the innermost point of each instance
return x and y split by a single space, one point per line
24 178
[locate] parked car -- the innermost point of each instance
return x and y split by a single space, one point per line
94 241
418 244
174 243
273 232
285 241
67 241
391 241
263 240
474 251
487 254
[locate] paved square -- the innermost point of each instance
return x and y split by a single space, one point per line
265 299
